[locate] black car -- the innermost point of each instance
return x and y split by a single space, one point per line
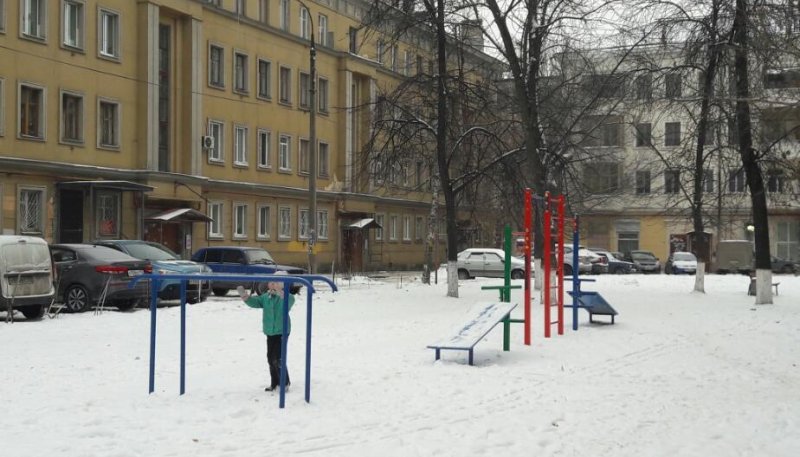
615 264
241 260
780 265
90 274
645 261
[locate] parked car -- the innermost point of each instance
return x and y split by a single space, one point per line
681 262
26 275
780 265
487 262
585 260
165 261
645 261
241 260
615 264
89 274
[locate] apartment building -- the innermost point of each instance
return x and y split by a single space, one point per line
187 122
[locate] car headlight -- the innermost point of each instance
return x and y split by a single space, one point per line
206 269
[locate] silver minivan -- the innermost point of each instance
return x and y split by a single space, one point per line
26 275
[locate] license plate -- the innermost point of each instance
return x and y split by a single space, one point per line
135 272
194 283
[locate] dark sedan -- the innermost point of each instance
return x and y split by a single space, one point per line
89 275
241 260
615 263
780 265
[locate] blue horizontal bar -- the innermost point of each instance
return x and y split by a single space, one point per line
305 280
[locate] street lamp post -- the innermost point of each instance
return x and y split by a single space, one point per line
312 149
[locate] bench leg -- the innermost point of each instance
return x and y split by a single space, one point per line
470 356
437 354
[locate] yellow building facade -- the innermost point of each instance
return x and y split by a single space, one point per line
140 119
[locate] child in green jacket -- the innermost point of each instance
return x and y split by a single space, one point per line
271 304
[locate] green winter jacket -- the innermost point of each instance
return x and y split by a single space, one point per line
272 315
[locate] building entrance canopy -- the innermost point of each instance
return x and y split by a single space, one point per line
180 215
366 223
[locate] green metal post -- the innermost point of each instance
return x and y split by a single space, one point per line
507 289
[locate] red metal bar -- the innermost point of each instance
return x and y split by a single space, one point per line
528 200
560 271
546 266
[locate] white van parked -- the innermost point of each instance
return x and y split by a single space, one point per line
26 275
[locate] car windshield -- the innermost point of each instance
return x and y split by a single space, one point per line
259 256
642 256
151 252
684 256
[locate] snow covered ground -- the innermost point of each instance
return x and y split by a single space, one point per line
680 374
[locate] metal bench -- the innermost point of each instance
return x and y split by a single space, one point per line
482 319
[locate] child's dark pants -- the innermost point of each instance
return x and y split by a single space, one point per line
274 345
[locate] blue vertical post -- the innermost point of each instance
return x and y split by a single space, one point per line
183 336
154 284
284 341
576 282
308 345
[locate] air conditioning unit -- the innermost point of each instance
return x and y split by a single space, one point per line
208 142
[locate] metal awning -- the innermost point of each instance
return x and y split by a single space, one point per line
180 215
367 223
103 184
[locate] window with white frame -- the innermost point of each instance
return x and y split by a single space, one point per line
239 145
108 34
672 134
322 20
284 12
284 223
406 228
285 152
215 225
322 224
323 166
392 228
672 181
33 18
264 144
708 180
107 217
285 85
72 24
264 79
302 224
216 130
407 64
216 63
240 72
31 211
379 51
303 159
788 240
71 117
394 56
305 90
379 219
737 181
305 26
240 220
108 124
322 95
419 228
31 111
263 229
240 7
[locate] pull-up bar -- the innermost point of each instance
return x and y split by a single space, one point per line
287 281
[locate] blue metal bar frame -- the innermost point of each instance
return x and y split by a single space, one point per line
306 280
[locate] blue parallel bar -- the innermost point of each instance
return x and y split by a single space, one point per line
576 281
183 337
284 343
308 348
153 303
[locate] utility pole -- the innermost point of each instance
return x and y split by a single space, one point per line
312 150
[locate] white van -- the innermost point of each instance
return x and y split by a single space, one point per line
26 275
735 256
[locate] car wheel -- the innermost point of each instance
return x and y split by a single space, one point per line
463 274
32 312
517 274
619 271
567 270
219 292
126 305
76 299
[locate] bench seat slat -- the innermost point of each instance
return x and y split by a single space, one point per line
481 321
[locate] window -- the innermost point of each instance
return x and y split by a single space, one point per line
419 228
264 144
107 124
264 79
305 24
379 218
240 145
285 85
407 63
627 241
418 174
672 181
673 85
736 181
31 112
284 12
284 153
708 180
644 87
420 65
240 8
304 156
216 62
240 72
393 57
108 34
776 181
72 24
215 226
263 11
263 230
322 224
322 20
34 17
305 90
353 40
672 134
322 92
71 117
379 51
107 209
322 163
31 211
787 240
602 132
392 228
406 228
601 177
644 134
643 182
2 16
303 223
2 101
239 220
284 223
216 131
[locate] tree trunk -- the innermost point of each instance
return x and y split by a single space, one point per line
432 228
755 182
